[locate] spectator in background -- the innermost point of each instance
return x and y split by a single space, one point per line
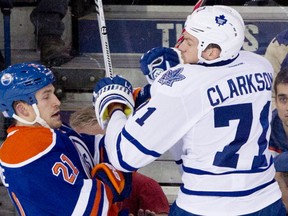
279 126
47 20
84 121
278 143
277 51
146 193
277 54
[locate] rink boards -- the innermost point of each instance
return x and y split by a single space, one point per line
144 28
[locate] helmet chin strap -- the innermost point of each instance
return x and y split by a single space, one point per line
38 119
202 60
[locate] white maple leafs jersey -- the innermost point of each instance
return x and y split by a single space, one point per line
221 116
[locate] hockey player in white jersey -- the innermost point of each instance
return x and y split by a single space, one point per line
216 107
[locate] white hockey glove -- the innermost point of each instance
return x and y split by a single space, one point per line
112 90
157 60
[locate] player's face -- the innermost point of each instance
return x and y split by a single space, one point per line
49 106
281 102
189 49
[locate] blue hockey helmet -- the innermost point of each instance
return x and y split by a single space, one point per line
21 82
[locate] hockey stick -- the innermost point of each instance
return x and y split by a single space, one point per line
196 6
199 4
104 38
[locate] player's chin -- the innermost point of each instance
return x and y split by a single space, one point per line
55 124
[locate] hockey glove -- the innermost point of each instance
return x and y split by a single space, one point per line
120 183
157 60
108 91
141 95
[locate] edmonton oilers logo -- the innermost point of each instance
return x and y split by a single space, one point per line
6 79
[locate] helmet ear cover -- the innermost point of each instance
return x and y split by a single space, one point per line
20 82
220 25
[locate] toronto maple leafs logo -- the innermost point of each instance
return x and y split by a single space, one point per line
171 76
221 20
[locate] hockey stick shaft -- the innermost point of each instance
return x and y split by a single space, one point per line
196 6
104 38
199 4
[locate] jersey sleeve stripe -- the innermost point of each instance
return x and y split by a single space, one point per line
138 145
120 157
18 204
83 198
99 193
202 172
226 193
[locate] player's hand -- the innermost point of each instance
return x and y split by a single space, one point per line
119 183
141 95
107 91
157 60
147 212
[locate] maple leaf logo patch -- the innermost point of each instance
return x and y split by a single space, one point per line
171 76
221 20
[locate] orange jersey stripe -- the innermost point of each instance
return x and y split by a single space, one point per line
22 213
97 199
25 143
113 209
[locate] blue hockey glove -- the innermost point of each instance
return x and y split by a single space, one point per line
157 60
141 95
108 91
120 183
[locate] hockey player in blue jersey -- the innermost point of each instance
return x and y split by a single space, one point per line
48 168
215 109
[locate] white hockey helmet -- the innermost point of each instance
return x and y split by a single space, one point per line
221 25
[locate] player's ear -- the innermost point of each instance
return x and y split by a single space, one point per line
211 52
21 108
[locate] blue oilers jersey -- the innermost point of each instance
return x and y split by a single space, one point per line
221 116
47 172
